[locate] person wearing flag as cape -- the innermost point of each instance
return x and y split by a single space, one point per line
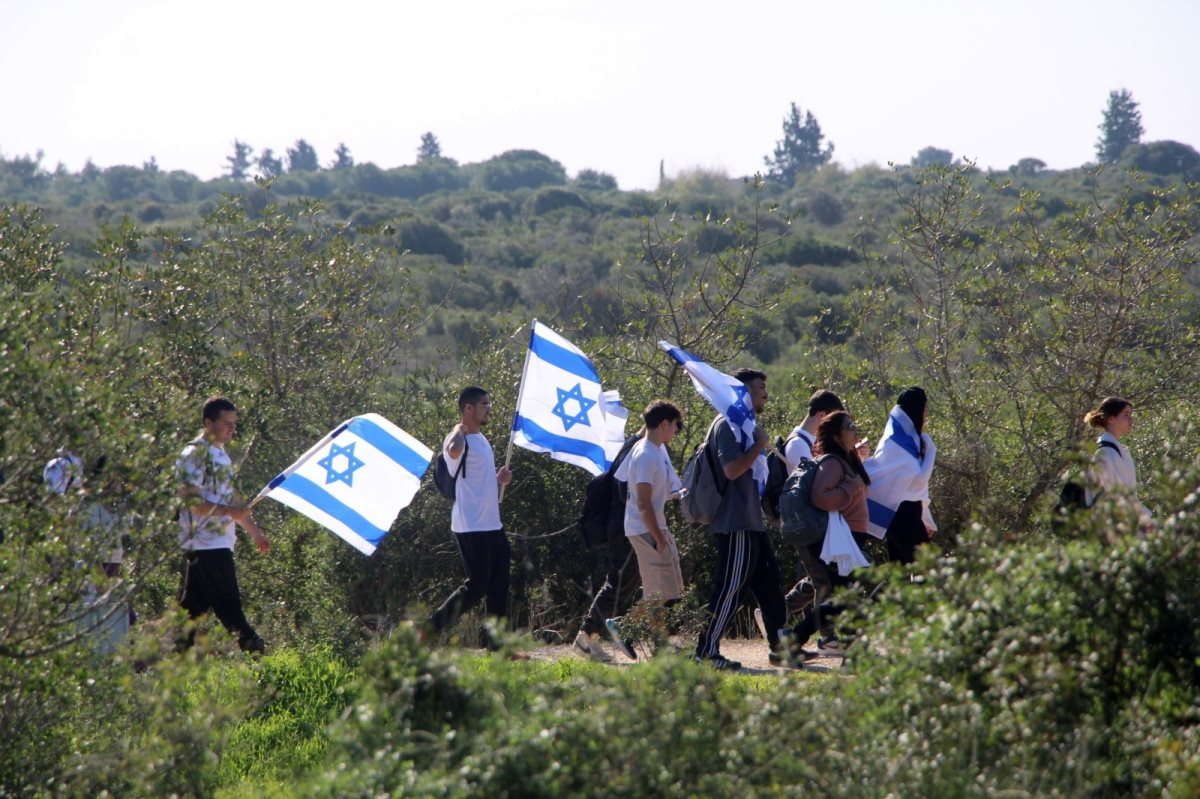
475 516
898 497
207 522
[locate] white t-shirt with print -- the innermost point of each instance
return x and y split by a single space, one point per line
476 494
208 468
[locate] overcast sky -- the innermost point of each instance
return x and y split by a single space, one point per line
613 86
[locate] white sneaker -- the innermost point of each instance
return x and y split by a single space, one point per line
831 646
624 644
758 620
589 647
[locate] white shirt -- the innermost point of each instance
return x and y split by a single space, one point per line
208 468
1112 472
476 494
63 472
800 445
648 463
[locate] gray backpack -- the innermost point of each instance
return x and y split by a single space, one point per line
703 482
801 522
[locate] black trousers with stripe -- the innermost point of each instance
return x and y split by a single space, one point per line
745 562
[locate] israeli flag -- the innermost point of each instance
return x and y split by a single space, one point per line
725 393
561 408
356 480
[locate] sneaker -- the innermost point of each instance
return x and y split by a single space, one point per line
720 663
589 647
831 646
791 661
758 621
614 632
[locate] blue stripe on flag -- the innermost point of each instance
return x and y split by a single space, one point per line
555 443
389 445
318 497
879 514
906 442
563 358
683 356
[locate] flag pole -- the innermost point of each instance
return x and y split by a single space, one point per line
520 396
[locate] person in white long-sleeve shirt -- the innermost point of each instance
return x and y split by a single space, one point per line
1112 473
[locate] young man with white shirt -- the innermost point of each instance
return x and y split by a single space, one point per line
652 482
475 516
207 531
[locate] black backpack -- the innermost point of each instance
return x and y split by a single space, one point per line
777 475
603 514
800 521
1073 498
443 478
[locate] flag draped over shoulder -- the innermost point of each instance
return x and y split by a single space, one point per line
561 408
898 472
356 480
725 393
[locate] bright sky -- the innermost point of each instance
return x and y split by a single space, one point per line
613 86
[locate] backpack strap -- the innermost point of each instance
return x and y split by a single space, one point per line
1111 446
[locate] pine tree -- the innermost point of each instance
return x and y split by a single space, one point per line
429 148
800 149
1122 126
239 162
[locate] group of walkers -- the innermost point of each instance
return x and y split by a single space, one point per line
882 497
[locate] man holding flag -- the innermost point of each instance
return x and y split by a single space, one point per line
475 516
745 557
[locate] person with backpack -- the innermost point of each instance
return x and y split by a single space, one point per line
622 580
745 557
839 486
652 482
475 516
1112 471
898 500
798 446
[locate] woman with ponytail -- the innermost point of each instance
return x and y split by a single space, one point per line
1112 472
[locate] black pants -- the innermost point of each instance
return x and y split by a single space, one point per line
906 532
821 613
745 561
486 558
620 585
210 583
807 597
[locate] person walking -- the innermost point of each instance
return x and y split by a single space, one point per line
475 517
208 526
1112 473
898 498
745 557
652 483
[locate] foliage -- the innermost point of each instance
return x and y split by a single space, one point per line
430 148
1121 128
302 157
341 157
932 156
239 162
517 169
799 150
1164 158
268 165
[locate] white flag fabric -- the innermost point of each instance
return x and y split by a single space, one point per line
898 472
729 396
356 480
839 548
561 408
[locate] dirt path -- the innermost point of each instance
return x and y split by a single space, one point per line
751 653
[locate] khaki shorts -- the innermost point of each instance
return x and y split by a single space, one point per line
662 577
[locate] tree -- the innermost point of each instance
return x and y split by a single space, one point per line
239 162
799 150
521 169
1165 158
268 165
591 180
1122 126
1027 167
932 156
430 148
302 157
343 157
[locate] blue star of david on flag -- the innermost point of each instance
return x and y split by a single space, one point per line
585 405
737 412
332 473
